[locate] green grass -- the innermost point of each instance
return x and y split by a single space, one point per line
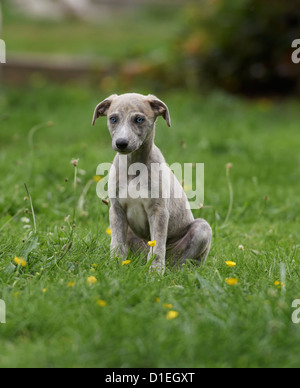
145 33
248 325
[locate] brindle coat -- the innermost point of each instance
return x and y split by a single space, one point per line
134 221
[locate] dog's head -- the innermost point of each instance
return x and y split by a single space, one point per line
131 119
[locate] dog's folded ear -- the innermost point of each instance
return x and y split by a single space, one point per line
160 108
102 108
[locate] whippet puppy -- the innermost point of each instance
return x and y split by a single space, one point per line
165 219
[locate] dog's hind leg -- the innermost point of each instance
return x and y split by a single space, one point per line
194 245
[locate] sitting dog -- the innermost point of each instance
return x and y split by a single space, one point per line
167 220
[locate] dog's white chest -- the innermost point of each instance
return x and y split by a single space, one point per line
136 216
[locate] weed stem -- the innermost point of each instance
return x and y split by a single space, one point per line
32 209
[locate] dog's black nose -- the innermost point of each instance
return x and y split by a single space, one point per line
122 144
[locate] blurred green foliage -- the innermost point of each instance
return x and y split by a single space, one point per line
242 45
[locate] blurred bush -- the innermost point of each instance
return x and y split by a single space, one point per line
243 46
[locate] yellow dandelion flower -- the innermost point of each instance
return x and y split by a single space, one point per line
101 303
91 280
230 263
279 284
168 306
232 281
97 178
152 243
172 315
108 231
187 188
71 284
126 262
20 261
157 300
44 290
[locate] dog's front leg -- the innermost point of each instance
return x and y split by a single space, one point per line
119 229
159 222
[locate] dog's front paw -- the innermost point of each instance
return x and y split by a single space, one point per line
118 251
157 266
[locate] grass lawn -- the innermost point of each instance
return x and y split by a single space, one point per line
147 32
54 317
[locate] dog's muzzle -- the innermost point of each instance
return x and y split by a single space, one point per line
122 144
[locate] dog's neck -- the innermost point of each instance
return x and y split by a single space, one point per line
142 155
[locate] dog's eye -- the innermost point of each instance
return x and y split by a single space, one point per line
139 120
113 120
